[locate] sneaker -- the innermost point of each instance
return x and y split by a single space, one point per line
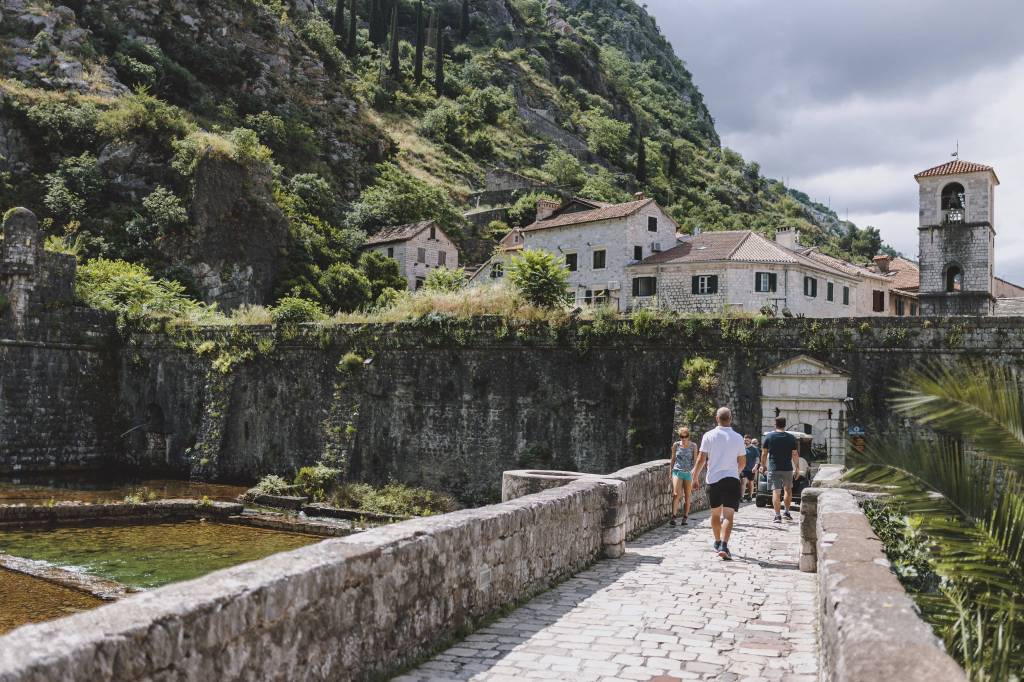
683 522
718 545
777 519
724 552
787 516
672 521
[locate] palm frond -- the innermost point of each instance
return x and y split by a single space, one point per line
981 403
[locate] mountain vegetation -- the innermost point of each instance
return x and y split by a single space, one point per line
245 148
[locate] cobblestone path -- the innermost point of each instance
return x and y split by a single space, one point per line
670 609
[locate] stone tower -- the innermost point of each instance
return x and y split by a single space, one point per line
957 238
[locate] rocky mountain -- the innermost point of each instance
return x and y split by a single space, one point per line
246 147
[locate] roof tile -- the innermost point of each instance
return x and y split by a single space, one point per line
954 168
398 233
603 213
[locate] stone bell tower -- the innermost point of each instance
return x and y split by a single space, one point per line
957 239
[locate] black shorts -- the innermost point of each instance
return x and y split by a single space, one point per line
725 493
747 474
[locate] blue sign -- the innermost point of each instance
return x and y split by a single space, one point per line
857 432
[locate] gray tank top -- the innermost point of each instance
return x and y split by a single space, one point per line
684 456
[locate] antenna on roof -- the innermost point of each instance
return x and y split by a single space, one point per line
956 154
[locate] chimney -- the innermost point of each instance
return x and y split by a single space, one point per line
787 239
882 262
638 196
545 207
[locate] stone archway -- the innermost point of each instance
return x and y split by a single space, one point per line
807 392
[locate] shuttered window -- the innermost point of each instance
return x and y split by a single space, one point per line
846 295
830 292
704 284
645 286
765 282
810 287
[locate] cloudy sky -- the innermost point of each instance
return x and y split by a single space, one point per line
847 100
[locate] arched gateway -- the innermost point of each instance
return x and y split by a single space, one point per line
811 396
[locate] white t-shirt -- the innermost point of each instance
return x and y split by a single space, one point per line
723 446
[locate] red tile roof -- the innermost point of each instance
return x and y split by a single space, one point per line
607 212
907 275
398 233
955 168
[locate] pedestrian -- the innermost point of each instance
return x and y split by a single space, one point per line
748 477
779 451
722 450
683 454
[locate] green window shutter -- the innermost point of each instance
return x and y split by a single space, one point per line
773 282
757 281
636 286
713 284
694 284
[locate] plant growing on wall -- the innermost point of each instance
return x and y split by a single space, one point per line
696 392
967 499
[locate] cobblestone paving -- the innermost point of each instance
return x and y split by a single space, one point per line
670 609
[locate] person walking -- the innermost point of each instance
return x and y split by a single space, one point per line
748 477
783 462
683 454
722 450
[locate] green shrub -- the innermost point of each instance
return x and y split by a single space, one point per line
141 112
602 187
316 482
388 298
540 277
318 34
394 498
565 168
605 135
351 361
443 279
75 186
128 290
164 209
63 121
524 211
443 123
315 193
382 272
291 310
343 288
271 484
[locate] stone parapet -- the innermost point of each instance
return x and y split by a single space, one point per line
870 628
120 511
358 607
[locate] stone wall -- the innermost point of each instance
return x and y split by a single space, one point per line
348 608
441 404
870 628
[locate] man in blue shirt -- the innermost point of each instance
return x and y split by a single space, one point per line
779 451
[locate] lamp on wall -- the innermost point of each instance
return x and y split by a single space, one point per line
777 412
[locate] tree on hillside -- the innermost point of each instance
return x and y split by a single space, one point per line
671 155
378 22
398 198
338 22
540 277
641 160
420 39
464 20
395 67
382 272
439 65
350 45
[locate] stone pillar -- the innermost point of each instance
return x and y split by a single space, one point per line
809 530
19 258
613 533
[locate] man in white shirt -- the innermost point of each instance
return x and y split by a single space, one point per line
723 451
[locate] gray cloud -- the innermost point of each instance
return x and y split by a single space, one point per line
846 101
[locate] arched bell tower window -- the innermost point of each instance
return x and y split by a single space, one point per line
954 278
954 201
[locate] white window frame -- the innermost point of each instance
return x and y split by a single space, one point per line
704 284
764 283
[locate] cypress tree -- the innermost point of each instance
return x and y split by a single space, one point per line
378 22
396 65
350 47
338 25
439 64
464 20
641 161
420 39
673 160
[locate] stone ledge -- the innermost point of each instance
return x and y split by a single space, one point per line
123 511
870 627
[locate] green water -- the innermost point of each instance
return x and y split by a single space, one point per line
37 491
152 554
25 599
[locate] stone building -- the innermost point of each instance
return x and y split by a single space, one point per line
957 239
741 270
30 276
596 240
418 248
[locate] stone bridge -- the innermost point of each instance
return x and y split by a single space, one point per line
604 590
